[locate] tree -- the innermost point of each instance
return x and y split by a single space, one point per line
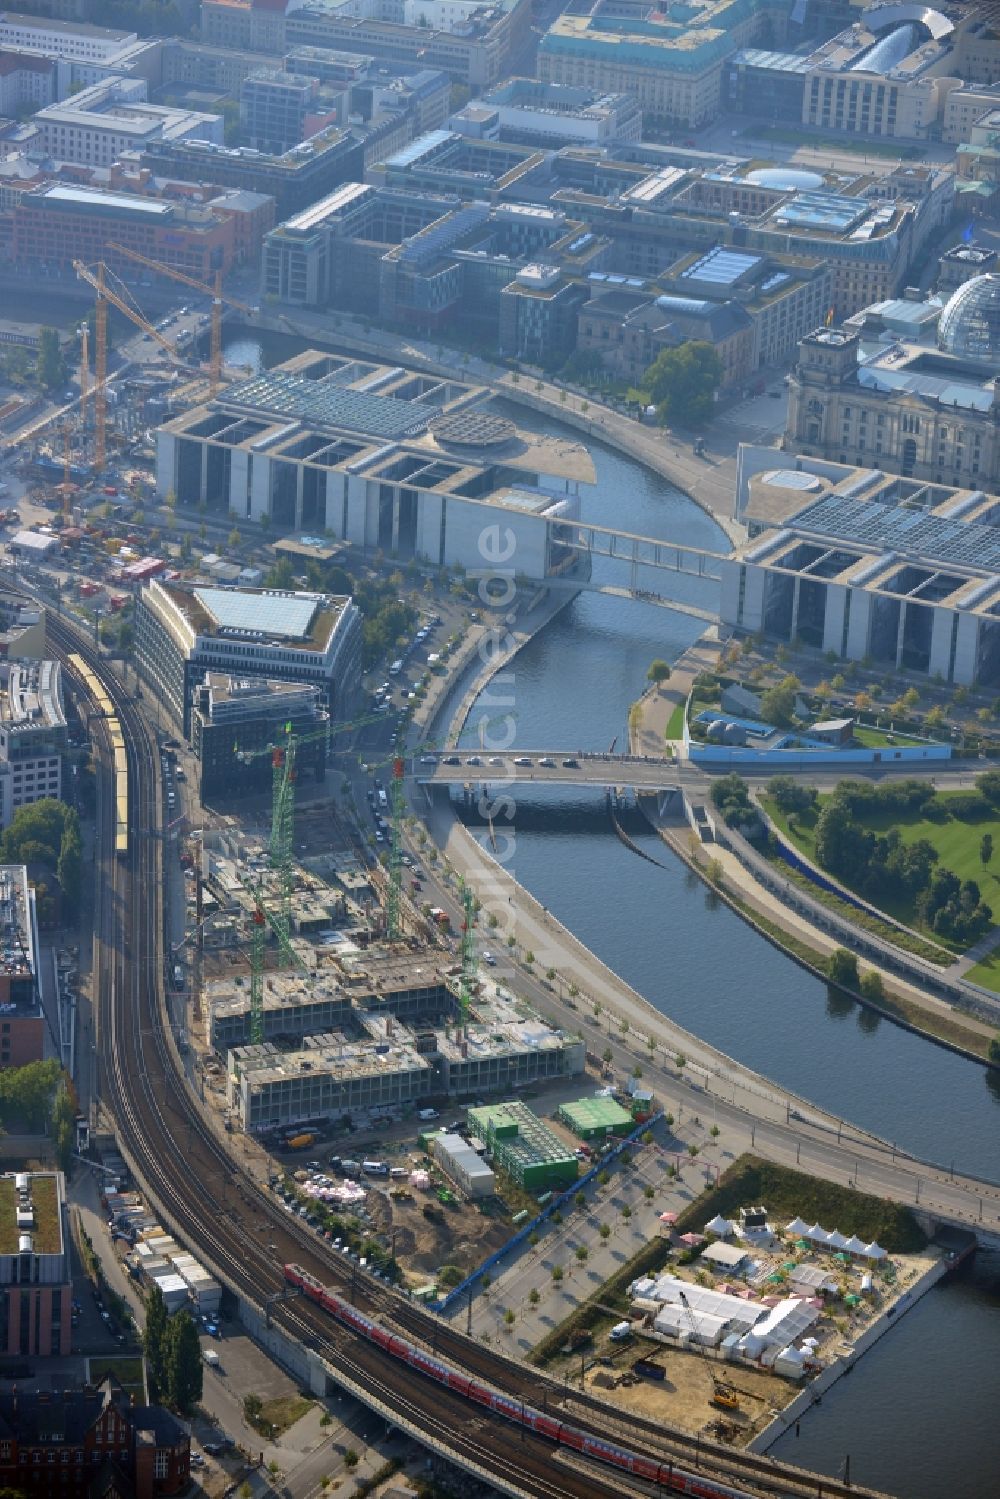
581 1254
557 1273
50 366
64 1125
183 1365
234 538
154 1340
252 1407
777 704
605 1232
69 870
626 1212
791 796
872 986
508 1318
843 968
659 672
533 1296
681 383
580 1199
986 848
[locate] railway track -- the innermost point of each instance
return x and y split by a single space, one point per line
242 1232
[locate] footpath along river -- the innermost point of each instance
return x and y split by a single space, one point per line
909 1424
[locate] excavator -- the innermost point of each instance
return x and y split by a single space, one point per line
724 1395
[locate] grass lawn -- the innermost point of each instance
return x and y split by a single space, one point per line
127 1370
987 972
282 1412
957 844
675 725
871 738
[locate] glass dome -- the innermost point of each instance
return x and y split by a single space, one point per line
969 326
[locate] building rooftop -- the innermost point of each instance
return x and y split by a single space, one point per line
29 1204
33 699
70 28
331 405
84 197
272 616
17 936
912 533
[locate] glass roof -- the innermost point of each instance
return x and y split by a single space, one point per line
287 615
326 404
914 533
723 267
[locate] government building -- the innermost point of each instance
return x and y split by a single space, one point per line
925 410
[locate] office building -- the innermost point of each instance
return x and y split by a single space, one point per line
890 73
865 565
294 179
274 106
27 82
58 38
380 457
672 60
184 631
90 1440
36 1282
22 628
551 115
22 1024
925 412
475 43
32 734
867 228
57 223
98 124
752 309
235 719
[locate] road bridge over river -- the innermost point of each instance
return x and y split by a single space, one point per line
556 768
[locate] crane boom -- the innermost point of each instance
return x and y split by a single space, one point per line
215 292
106 294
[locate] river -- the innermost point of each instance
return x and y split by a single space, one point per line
693 959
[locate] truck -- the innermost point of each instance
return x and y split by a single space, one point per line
300 1142
212 1359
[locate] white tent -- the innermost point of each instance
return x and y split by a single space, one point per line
854 1245
874 1251
796 1228
835 1239
817 1232
721 1226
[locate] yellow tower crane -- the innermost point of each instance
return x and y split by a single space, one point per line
98 279
84 375
215 292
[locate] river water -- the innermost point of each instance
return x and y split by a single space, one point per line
918 1409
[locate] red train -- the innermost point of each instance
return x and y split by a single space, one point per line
665 1474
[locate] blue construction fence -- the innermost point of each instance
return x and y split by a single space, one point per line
471 1282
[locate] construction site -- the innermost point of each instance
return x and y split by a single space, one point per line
100 431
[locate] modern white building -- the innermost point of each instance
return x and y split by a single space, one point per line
867 565
58 38
101 122
383 458
182 632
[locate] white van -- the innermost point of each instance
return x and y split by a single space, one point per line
212 1359
427 1114
395 668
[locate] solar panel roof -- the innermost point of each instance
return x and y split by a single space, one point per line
326 404
915 533
287 615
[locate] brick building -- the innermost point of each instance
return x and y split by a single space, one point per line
87 1441
58 223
